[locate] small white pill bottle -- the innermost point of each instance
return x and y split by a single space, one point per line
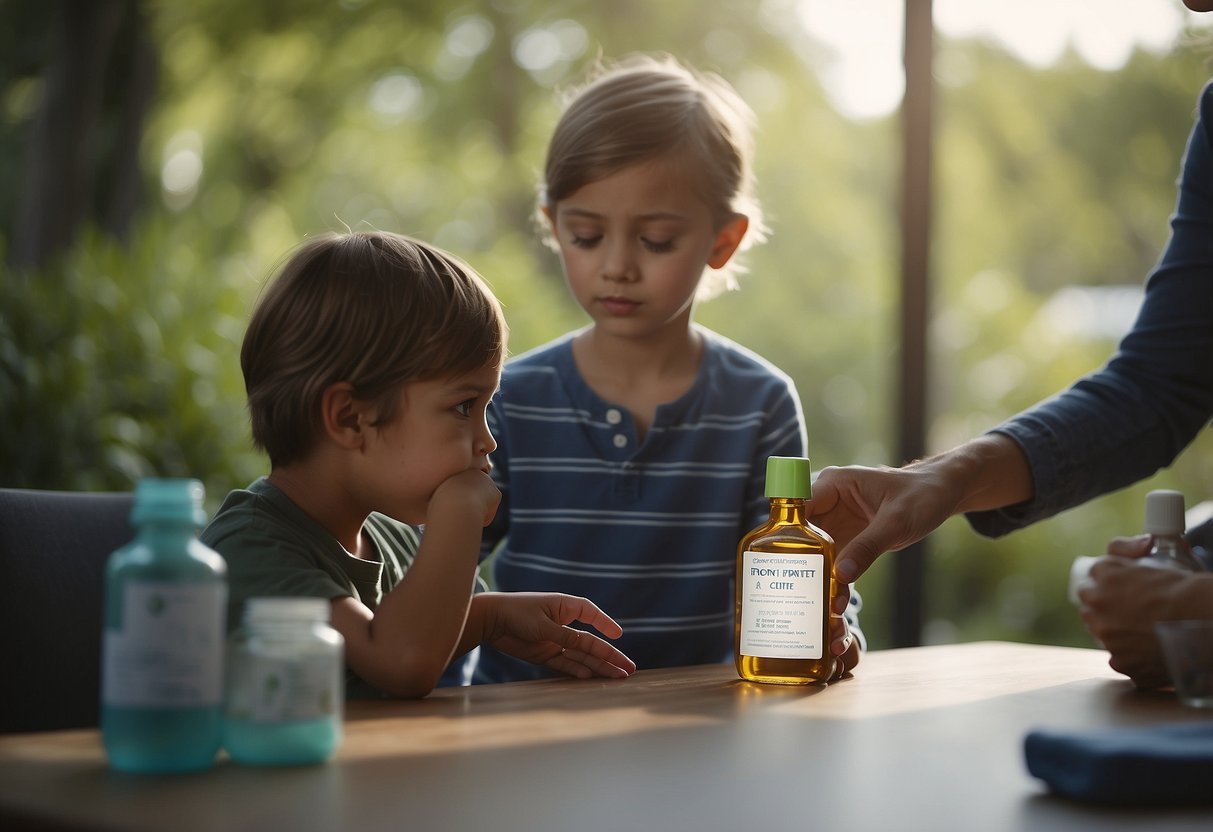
285 687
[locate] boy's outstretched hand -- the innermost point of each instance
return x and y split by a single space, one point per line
531 626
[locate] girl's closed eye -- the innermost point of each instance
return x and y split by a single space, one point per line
587 241
658 246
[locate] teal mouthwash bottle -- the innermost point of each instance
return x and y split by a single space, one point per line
162 648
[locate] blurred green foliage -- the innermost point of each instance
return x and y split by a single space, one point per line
275 120
118 363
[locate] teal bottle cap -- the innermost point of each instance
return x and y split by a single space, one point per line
172 500
788 476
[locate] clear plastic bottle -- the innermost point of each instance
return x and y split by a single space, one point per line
1165 522
162 649
785 570
285 684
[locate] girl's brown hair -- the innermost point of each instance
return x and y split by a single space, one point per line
644 108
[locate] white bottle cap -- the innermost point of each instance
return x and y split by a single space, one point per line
286 609
1165 513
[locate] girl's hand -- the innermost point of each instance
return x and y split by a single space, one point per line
532 626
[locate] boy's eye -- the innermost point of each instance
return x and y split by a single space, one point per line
464 408
657 246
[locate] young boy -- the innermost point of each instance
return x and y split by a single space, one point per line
369 363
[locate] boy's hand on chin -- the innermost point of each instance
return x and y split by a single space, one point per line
470 493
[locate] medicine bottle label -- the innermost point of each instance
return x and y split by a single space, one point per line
265 689
781 604
169 652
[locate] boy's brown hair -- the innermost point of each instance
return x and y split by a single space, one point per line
371 308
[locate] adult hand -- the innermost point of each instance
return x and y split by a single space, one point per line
532 626
869 511
1137 546
1121 600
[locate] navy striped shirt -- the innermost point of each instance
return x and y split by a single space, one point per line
647 530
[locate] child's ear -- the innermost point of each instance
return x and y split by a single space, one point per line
344 416
728 238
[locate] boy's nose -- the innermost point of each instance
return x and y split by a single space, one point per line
486 444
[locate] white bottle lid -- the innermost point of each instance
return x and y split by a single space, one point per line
1165 513
286 609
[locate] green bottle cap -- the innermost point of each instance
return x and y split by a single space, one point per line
172 500
788 476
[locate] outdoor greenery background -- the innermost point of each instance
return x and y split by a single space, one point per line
270 121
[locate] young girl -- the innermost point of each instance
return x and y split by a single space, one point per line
631 454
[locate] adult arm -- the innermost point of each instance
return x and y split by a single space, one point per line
1108 430
1135 415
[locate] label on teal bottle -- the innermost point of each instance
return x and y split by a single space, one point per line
169 650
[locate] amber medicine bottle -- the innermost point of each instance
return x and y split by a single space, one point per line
784 582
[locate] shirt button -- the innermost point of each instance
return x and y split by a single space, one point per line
620 440
613 417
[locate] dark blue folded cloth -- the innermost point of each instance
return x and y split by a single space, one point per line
1156 765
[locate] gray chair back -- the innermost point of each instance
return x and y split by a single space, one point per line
53 550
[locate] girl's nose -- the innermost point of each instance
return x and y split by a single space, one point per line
618 266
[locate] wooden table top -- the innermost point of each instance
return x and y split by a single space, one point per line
925 738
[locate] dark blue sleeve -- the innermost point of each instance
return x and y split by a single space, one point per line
1124 422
